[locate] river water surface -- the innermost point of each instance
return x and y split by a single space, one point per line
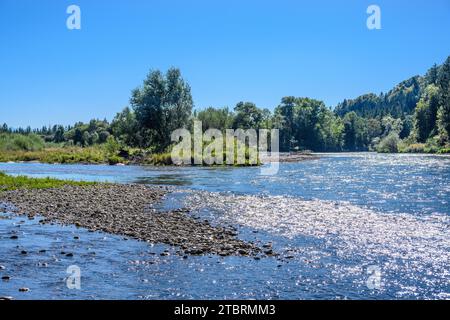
349 226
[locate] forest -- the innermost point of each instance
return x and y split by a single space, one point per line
414 116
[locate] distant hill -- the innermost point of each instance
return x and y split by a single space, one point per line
398 102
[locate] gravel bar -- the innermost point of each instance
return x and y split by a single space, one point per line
126 209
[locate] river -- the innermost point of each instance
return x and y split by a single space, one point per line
354 226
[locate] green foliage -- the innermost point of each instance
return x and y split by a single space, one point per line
306 123
20 142
389 144
114 159
59 155
425 114
248 116
21 182
397 102
94 132
162 104
444 150
443 116
216 118
414 148
112 146
412 117
355 132
125 128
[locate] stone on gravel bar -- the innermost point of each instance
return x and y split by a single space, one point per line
126 210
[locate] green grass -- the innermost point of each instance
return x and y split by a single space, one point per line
8 182
90 155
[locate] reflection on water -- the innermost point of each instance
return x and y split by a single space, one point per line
361 210
417 248
418 184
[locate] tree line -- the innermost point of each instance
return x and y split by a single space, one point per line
413 116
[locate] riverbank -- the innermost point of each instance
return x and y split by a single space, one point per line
100 155
122 209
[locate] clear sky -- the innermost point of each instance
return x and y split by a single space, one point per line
228 50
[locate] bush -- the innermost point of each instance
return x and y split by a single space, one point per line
20 142
112 146
112 160
432 145
444 150
415 148
389 144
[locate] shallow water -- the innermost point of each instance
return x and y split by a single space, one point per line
363 212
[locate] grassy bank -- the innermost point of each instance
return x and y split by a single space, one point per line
8 182
28 148
90 155
31 147
59 155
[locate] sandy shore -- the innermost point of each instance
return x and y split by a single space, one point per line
126 210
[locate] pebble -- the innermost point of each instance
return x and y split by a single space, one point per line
126 210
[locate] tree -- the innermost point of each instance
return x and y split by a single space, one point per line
163 104
103 136
86 138
444 101
432 75
59 135
216 118
391 124
355 132
125 127
247 116
425 115
78 137
4 128
284 121
308 122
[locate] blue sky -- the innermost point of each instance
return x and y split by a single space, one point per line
251 50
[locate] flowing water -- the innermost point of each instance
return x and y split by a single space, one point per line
357 226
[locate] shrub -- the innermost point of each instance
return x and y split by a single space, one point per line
20 142
415 148
112 160
389 144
